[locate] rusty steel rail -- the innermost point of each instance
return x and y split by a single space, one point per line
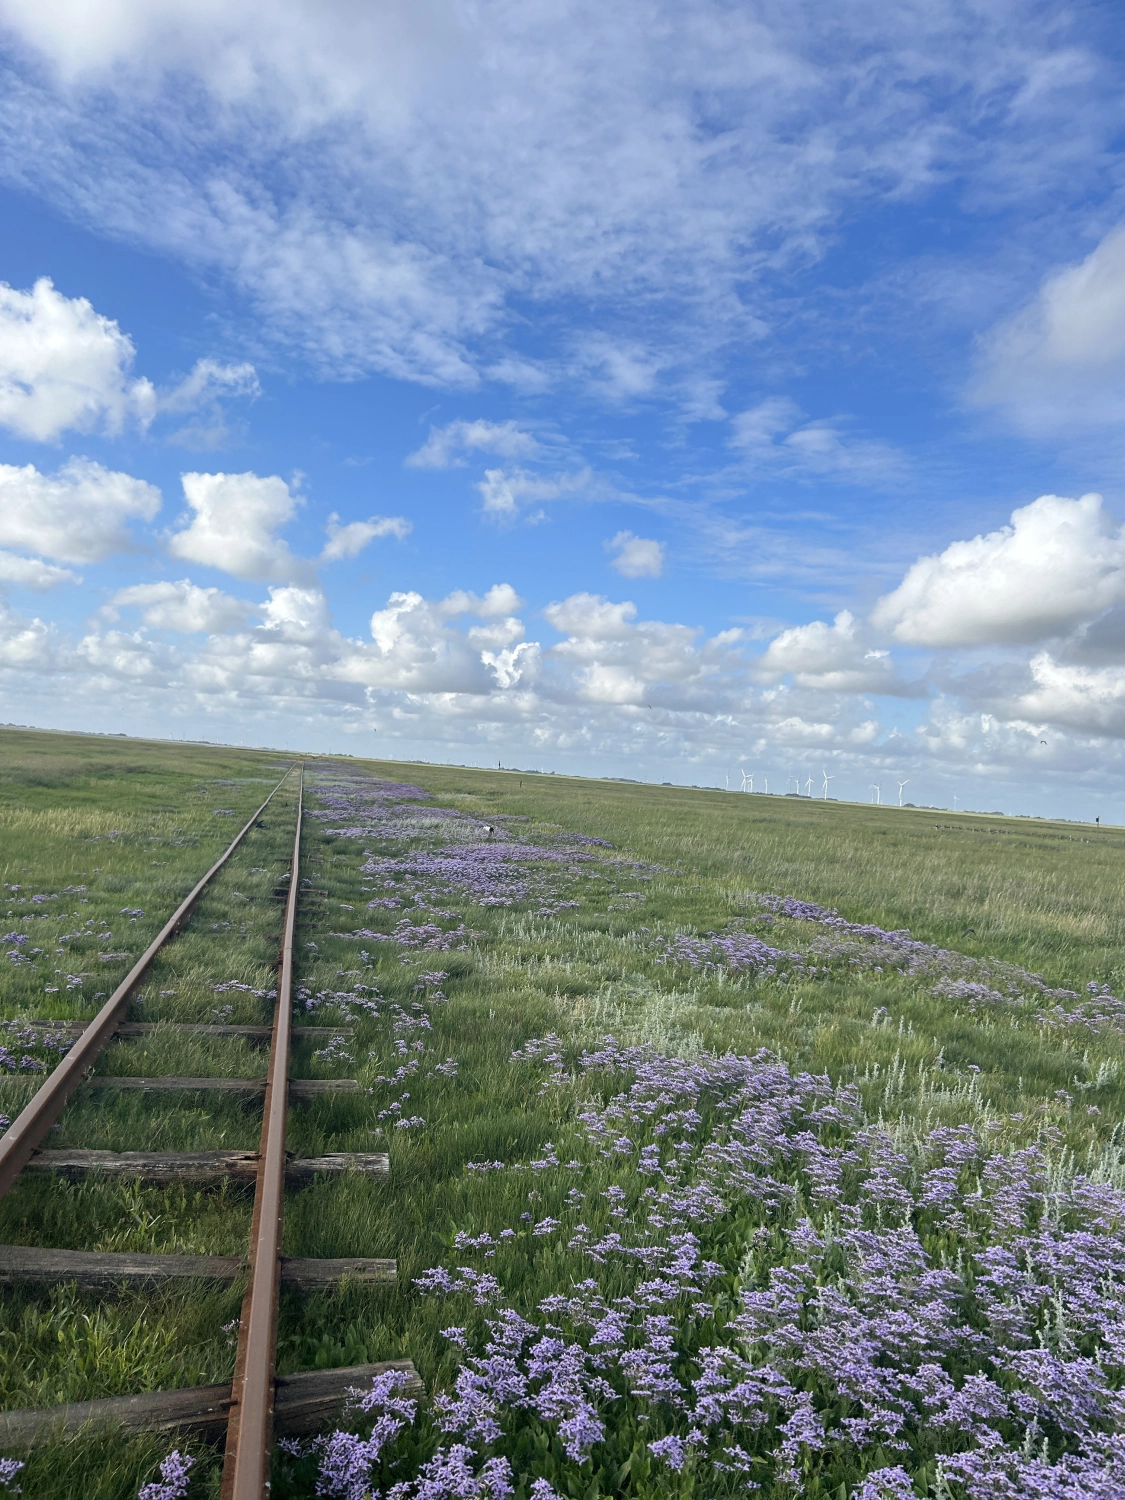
31 1125
246 1463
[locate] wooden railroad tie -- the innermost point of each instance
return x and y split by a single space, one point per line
196 1167
96 1268
300 1089
256 1401
305 1403
146 1028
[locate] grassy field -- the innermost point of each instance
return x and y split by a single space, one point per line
458 929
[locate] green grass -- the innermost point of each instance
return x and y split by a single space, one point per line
1042 894
136 824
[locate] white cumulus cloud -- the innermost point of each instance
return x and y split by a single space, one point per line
609 682
1058 563
836 657
445 448
497 634
181 606
592 617
76 515
636 556
415 647
25 645
33 572
349 540
500 599
1090 700
65 366
613 658
235 518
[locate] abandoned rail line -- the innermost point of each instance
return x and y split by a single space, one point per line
257 1401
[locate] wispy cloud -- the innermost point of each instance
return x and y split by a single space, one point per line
447 447
506 492
682 160
775 435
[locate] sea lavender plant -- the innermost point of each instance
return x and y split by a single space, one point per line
774 1291
347 1461
175 1474
849 1332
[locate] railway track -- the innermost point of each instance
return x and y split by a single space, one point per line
256 1401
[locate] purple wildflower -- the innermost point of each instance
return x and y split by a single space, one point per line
346 1461
887 1484
175 1474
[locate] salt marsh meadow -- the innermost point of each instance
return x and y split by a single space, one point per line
736 1141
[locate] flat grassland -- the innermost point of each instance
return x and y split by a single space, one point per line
836 1212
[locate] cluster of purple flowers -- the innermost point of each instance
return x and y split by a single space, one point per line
235 984
851 946
780 1292
1099 1011
175 1475
361 999
427 936
346 1461
501 873
483 864
19 954
763 1290
866 945
735 953
40 897
20 1035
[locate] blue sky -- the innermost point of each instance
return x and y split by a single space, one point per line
627 390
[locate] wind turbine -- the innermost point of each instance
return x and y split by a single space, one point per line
878 790
746 779
827 779
900 787
767 782
726 780
808 786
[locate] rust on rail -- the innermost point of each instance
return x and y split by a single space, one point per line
246 1464
29 1128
